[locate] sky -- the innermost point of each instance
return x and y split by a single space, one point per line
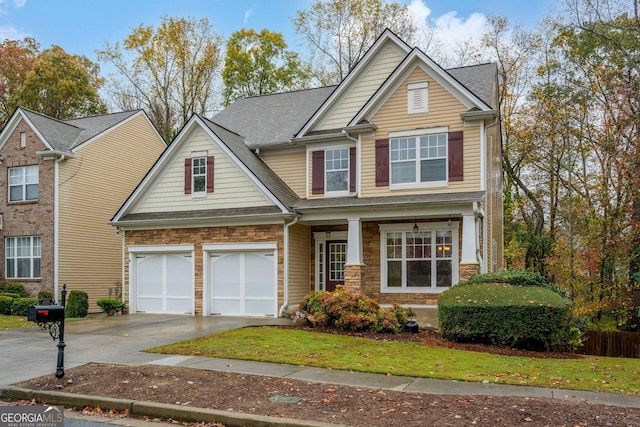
81 27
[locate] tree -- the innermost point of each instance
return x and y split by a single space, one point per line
339 33
259 64
16 59
169 71
61 85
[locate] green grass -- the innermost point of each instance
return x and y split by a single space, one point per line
13 322
298 347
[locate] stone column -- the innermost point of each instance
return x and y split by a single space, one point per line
354 265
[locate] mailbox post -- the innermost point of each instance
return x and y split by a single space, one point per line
51 317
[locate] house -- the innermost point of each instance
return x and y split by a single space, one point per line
389 183
63 181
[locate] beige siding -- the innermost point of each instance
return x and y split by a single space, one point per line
92 188
299 264
232 188
362 90
290 166
444 110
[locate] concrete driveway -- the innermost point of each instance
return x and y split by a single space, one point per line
30 352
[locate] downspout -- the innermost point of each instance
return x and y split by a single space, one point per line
121 235
56 230
285 279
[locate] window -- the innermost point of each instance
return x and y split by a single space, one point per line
422 261
23 256
417 98
23 183
198 175
418 159
337 169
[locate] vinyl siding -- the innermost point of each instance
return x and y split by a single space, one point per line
92 188
299 264
232 188
444 110
289 165
363 89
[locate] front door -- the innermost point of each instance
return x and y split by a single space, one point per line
336 258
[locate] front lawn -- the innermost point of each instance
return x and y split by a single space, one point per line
298 347
13 322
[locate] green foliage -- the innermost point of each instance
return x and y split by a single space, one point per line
496 312
14 288
10 295
77 304
342 309
111 306
45 295
20 306
5 304
514 278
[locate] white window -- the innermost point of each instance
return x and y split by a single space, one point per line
23 183
337 170
23 256
419 159
199 175
418 260
23 139
417 98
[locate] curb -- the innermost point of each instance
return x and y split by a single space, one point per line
157 410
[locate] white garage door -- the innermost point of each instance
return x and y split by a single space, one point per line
164 284
243 284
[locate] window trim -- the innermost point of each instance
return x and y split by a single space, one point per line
337 193
407 228
23 184
442 130
15 258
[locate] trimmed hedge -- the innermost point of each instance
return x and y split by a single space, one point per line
42 295
77 304
20 306
5 304
111 305
14 288
524 315
342 309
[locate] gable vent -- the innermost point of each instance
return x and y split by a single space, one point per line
417 97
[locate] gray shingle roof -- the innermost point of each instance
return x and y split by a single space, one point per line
65 135
479 79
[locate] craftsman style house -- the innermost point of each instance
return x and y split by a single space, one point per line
62 182
389 183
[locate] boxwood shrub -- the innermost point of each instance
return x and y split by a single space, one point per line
45 295
510 311
111 306
14 288
5 304
77 304
20 306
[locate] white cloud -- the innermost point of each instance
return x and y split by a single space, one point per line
19 3
247 15
452 29
12 33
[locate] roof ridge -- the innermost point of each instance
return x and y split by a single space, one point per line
285 93
48 117
469 66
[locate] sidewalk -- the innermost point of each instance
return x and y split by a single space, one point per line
121 340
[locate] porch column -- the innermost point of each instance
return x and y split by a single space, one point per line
354 265
469 263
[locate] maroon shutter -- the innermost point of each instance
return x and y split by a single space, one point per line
352 169
187 176
317 172
382 162
456 163
210 174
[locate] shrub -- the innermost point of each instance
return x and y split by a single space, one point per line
344 310
45 295
14 288
111 306
77 304
20 306
524 315
10 295
5 304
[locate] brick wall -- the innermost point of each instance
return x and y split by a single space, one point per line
208 235
32 218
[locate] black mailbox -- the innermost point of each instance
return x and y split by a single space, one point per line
45 313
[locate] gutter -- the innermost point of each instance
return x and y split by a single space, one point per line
56 225
285 303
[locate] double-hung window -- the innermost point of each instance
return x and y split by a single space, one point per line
418 260
337 170
333 171
418 159
23 255
198 174
23 183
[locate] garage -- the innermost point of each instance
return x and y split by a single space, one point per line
243 283
164 283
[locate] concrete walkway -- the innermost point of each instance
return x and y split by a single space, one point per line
30 352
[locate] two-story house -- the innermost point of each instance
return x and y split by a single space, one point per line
63 180
389 183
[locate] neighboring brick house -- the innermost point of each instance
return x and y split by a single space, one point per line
389 183
63 181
